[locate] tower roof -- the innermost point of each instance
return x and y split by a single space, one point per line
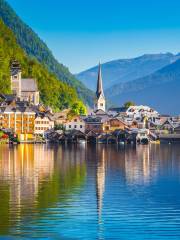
15 67
99 91
15 64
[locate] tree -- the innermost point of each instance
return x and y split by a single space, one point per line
59 127
78 108
129 104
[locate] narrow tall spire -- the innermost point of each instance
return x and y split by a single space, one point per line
99 91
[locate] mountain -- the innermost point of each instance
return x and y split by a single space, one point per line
124 70
160 90
53 92
36 48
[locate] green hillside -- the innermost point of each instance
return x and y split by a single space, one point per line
53 92
35 47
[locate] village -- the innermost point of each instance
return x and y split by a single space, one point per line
23 119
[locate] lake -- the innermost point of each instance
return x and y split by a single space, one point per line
90 192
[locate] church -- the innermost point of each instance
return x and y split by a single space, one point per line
100 101
25 89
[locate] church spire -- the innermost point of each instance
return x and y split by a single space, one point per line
100 102
99 91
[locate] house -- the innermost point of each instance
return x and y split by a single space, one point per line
138 112
20 118
163 118
93 123
120 111
61 118
76 123
167 126
114 124
24 89
43 123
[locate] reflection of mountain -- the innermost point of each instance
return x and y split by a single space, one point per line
32 178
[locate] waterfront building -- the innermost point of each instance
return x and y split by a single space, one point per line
100 102
94 124
24 119
19 117
114 124
167 126
76 123
25 89
43 123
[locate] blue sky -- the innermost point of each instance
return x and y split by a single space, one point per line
82 32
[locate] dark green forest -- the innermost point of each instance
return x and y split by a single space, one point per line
53 92
36 48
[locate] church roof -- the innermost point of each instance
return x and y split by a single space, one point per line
99 91
100 112
29 85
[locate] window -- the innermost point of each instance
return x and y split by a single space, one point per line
75 120
69 126
101 104
75 126
80 126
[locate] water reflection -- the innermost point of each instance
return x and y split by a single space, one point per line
32 178
91 192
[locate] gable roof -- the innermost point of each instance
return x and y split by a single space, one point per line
118 119
100 112
168 122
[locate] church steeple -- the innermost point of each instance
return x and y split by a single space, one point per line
100 101
16 78
99 90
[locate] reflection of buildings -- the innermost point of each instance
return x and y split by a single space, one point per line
23 168
137 165
35 176
142 165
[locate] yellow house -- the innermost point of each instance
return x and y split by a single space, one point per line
20 118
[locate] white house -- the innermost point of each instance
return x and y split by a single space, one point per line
136 112
43 124
76 123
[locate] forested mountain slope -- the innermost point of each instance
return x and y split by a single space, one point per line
53 92
35 47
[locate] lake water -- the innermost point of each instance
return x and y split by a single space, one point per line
90 192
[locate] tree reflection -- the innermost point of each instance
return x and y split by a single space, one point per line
36 177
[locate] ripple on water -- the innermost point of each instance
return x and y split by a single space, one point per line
63 192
